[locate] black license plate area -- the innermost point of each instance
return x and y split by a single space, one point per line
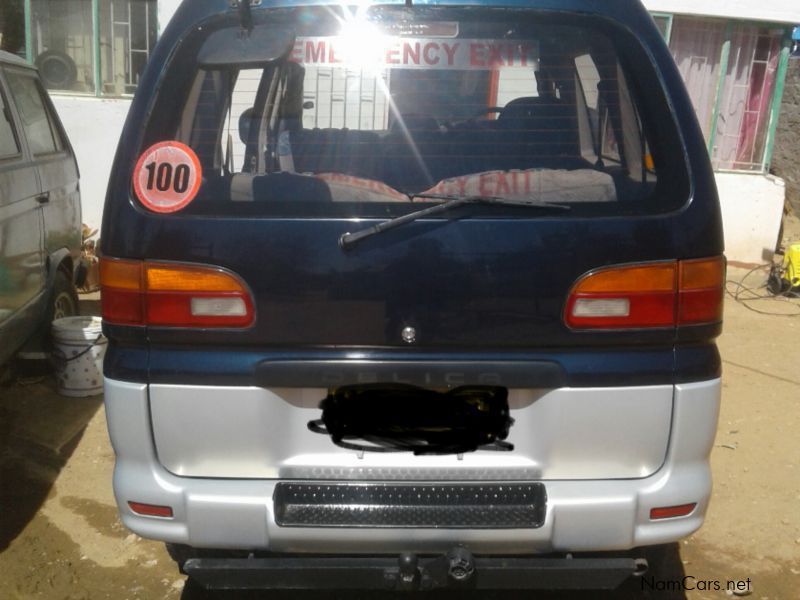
399 417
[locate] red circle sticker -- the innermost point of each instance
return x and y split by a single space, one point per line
167 177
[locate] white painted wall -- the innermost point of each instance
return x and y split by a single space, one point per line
780 11
166 8
93 126
752 209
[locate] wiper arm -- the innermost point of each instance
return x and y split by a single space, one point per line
450 202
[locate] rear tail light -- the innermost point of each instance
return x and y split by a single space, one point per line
661 294
173 295
701 285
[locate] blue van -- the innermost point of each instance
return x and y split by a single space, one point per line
412 295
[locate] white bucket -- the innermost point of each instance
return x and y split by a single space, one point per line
79 348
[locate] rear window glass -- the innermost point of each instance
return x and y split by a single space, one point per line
366 113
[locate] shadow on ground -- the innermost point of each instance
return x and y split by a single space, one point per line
662 582
39 431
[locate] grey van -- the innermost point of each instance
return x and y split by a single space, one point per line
40 213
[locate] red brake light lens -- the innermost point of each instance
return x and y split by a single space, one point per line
173 295
702 290
648 295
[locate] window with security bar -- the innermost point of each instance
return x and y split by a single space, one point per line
746 98
88 47
731 72
128 30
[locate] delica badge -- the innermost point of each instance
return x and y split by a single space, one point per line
167 177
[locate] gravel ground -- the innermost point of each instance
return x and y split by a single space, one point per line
60 536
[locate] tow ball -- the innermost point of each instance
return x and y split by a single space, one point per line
455 568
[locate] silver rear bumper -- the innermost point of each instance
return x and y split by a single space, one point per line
581 515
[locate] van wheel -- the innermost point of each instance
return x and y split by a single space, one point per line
64 301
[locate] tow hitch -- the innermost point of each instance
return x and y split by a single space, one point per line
458 568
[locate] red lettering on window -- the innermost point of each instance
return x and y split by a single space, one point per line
408 53
503 186
315 54
484 181
451 52
392 57
475 55
431 59
495 55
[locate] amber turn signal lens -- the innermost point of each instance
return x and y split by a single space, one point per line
183 278
121 274
702 273
658 277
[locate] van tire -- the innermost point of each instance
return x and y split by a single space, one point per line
64 299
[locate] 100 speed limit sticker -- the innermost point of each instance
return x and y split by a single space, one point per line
167 177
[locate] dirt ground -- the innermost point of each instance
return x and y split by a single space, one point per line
60 536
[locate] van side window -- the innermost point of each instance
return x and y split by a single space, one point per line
9 145
42 134
612 116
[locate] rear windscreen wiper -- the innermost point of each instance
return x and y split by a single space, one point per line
450 202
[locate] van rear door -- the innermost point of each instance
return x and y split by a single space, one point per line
557 270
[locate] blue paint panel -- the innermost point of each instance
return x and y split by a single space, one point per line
604 366
479 287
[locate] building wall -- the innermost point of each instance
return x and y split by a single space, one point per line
752 209
93 126
786 159
779 11
166 8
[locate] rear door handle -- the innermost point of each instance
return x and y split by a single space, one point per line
43 198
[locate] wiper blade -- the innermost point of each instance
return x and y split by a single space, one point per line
496 200
450 202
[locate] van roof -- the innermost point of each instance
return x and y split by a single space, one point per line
13 59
